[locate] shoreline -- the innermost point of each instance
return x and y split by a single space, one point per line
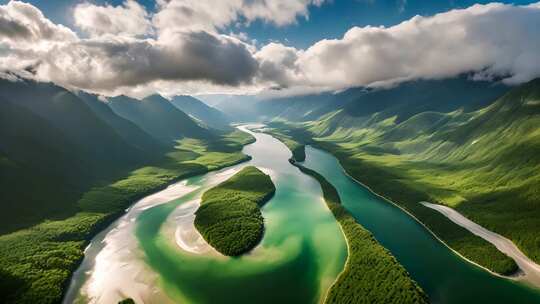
427 228
113 218
340 222
516 277
529 272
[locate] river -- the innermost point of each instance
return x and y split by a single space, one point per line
154 255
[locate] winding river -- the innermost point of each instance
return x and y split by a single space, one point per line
153 254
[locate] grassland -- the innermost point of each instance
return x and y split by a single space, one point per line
36 263
229 217
387 177
371 274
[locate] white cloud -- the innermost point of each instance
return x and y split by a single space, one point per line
109 64
129 19
187 52
211 15
23 24
491 39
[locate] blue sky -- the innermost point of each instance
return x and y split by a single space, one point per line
331 20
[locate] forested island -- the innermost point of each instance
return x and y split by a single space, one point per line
229 217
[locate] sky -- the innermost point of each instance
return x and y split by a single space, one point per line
260 46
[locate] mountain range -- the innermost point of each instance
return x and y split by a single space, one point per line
59 143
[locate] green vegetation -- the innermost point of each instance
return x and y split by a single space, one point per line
484 163
229 217
36 263
371 274
381 180
127 301
158 117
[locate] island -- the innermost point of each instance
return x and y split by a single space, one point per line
229 217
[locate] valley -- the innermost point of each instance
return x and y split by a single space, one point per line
460 159
269 151
280 257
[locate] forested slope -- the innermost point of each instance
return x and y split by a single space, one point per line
482 158
69 165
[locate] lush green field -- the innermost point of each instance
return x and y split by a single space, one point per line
36 263
371 274
385 178
229 217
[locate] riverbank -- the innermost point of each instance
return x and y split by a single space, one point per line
37 262
300 255
397 191
530 271
371 273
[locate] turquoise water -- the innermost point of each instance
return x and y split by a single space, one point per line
302 251
446 277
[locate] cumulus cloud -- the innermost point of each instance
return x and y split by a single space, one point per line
129 19
23 23
182 47
107 64
118 60
493 39
278 64
211 15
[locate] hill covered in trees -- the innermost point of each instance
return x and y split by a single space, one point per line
229 217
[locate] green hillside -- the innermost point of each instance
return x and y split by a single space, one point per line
97 141
129 131
55 147
484 162
158 117
208 115
35 169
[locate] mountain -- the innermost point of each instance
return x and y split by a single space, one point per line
158 117
45 162
96 141
295 108
129 131
53 147
240 108
208 115
403 100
